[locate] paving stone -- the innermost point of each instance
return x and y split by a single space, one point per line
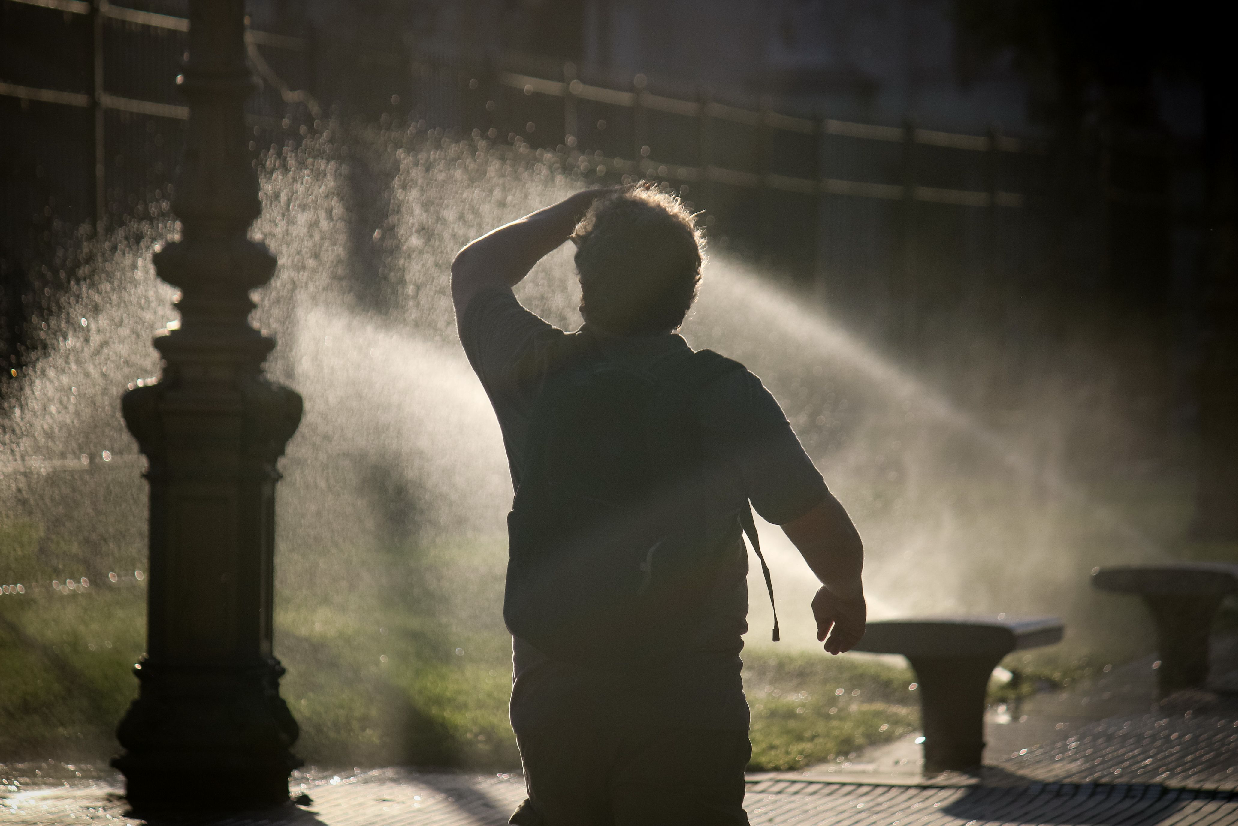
395 798
1189 741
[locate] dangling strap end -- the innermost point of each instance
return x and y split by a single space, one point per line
776 635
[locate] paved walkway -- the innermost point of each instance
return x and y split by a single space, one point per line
1106 754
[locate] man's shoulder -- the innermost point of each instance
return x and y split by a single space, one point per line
720 377
505 341
716 365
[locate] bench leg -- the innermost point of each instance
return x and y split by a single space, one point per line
952 692
1183 626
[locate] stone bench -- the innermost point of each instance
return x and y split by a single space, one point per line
953 659
1183 598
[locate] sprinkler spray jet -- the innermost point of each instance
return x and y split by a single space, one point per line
209 711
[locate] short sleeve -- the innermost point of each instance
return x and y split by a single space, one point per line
505 343
745 423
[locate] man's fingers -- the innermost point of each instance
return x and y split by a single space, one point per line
840 622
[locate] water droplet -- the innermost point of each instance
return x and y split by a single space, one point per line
459 652
107 455
112 576
85 582
382 658
139 576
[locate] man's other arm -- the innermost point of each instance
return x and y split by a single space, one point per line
504 256
831 546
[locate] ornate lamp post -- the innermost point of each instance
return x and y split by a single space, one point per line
209 715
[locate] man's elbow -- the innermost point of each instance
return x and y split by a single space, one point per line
461 264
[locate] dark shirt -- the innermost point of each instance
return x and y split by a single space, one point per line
756 457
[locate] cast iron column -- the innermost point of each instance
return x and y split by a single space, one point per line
209 729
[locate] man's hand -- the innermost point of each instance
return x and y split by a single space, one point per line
831 546
504 256
840 621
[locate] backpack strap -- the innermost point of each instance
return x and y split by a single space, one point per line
750 528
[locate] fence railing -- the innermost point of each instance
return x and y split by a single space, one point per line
868 207
571 90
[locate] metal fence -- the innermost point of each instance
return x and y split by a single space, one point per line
896 224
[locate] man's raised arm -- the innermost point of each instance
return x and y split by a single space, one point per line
502 257
832 548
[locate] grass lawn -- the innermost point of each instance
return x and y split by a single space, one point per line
370 687
390 669
400 658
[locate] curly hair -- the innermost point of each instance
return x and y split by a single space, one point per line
639 255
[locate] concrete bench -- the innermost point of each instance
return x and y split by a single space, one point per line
1183 598
953 659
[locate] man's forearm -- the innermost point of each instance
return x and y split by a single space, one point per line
830 544
504 256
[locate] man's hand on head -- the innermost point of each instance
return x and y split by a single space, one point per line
504 256
840 620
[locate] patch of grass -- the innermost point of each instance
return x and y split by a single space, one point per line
1047 670
810 708
66 677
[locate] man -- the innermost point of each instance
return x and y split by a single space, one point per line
627 701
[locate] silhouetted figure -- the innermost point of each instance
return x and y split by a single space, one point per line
634 460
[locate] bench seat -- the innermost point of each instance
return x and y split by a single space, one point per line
953 658
1183 598
959 636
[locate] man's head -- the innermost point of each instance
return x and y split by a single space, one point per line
639 255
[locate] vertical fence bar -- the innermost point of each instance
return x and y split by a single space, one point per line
904 292
992 292
640 149
1105 183
312 59
571 123
764 163
96 107
706 196
816 260
493 90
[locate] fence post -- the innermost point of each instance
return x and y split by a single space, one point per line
494 88
764 163
705 191
312 58
96 108
640 150
816 260
904 292
570 121
993 288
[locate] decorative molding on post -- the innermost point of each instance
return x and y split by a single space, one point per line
209 712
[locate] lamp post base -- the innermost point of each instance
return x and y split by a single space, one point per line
201 740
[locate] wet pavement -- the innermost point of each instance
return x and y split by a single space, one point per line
1106 753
